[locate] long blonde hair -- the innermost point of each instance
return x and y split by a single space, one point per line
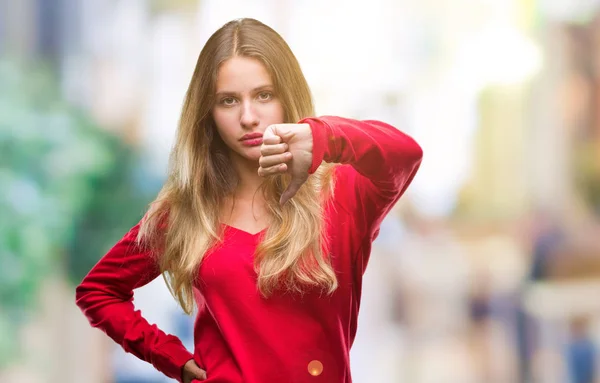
183 222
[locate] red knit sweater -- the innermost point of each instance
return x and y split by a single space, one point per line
239 336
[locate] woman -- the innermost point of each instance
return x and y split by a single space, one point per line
264 224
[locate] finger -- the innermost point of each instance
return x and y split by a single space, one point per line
269 150
199 374
270 136
291 191
266 162
277 169
271 140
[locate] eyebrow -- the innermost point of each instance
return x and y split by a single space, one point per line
262 87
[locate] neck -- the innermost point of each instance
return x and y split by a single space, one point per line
245 207
249 180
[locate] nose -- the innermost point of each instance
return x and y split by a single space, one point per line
249 118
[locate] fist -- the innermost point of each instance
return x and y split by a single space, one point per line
287 148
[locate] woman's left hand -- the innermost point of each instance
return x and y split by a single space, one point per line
287 148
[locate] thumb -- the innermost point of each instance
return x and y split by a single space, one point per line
271 136
291 190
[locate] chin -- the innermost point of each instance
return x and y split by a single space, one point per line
250 154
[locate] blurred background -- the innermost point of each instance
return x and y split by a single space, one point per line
488 270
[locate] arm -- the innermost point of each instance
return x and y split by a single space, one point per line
106 298
385 159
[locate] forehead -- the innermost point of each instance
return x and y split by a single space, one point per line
239 74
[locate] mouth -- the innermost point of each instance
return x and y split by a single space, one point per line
252 139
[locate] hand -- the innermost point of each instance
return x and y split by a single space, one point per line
191 371
287 148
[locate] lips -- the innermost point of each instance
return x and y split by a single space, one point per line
251 136
252 139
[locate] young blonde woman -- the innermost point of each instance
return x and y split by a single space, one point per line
264 224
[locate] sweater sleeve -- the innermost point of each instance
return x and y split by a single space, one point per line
106 298
385 159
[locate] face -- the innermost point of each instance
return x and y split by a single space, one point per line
245 105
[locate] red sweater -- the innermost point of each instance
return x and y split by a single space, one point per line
239 336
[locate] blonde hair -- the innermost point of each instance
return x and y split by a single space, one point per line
183 223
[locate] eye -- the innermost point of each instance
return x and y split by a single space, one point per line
265 96
227 101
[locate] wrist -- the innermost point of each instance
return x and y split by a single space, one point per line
319 132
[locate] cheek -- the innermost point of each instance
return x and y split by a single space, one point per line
275 113
220 117
224 123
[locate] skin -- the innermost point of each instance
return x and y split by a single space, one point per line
246 103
